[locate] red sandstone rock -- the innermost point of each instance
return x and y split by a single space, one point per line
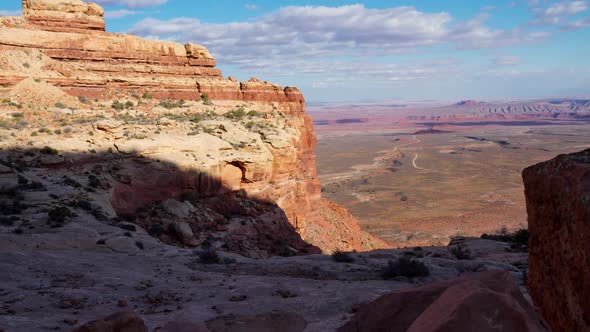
78 56
125 321
84 61
482 302
558 206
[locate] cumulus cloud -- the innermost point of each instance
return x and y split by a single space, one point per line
132 3
555 13
332 46
566 8
583 23
319 31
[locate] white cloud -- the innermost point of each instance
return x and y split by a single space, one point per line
557 12
11 12
114 14
583 23
313 32
319 46
132 3
566 8
488 8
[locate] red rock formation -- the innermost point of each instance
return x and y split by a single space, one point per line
78 56
63 43
558 206
483 302
60 15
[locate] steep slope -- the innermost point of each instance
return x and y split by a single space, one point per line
252 137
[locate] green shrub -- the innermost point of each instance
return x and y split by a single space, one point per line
195 118
208 256
461 252
250 125
342 257
205 99
18 115
59 215
254 113
57 131
49 151
147 95
405 267
60 105
119 106
83 99
237 114
170 104
26 65
520 237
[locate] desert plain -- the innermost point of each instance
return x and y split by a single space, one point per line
421 174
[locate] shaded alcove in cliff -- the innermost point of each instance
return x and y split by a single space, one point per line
180 207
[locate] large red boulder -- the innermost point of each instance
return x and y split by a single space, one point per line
125 321
482 302
558 206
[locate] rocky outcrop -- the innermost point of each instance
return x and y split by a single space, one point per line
64 43
192 148
485 302
558 206
64 15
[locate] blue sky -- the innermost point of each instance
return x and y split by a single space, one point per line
375 50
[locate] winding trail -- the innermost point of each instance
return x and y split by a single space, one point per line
416 166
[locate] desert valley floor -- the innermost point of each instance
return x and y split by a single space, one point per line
420 189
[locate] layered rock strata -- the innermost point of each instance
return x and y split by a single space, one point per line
269 154
558 206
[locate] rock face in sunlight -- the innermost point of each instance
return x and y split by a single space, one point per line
67 43
224 136
558 206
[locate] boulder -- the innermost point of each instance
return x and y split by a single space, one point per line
558 206
184 233
178 209
483 302
125 321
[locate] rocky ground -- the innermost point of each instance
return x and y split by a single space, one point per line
62 277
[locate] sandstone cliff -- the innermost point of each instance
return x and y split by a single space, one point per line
558 206
225 136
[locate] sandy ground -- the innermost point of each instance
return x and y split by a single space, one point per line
423 189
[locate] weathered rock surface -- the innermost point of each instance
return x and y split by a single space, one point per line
56 276
59 43
558 206
486 302
125 321
67 40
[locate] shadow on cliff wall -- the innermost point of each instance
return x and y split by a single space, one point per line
180 207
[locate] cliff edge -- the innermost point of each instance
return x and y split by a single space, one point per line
162 115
